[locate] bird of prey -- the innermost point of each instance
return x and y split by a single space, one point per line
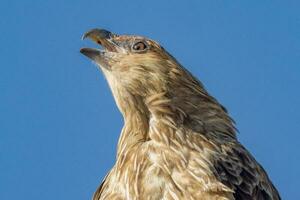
178 142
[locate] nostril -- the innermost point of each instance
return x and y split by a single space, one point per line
99 42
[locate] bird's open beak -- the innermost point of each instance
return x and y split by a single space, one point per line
103 38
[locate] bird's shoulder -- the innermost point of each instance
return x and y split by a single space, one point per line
105 189
236 168
97 194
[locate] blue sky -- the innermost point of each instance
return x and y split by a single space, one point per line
59 124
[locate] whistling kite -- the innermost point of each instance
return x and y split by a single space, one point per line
178 142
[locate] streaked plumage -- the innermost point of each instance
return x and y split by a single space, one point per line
177 142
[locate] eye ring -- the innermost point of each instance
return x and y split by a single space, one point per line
139 46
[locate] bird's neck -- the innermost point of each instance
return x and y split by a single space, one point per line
164 112
136 118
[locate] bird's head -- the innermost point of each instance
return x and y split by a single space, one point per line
133 65
146 79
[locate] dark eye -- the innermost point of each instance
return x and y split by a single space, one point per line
139 46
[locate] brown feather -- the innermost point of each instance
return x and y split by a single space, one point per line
178 142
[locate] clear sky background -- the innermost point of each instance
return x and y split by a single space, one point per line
59 124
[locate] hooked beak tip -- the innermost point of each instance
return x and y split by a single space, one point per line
97 34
